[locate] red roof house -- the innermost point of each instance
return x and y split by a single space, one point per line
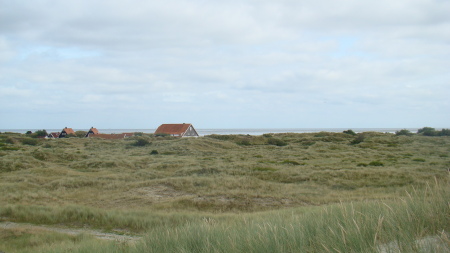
66 131
93 130
53 135
181 130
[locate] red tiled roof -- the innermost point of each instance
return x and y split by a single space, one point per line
93 130
172 129
68 130
54 135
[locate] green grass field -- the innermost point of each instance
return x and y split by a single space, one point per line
227 193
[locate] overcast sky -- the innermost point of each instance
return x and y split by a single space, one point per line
224 64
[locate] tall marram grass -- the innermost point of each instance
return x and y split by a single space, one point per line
374 226
351 227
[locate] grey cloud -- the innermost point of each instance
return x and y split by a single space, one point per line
234 58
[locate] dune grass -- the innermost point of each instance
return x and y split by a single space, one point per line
205 184
210 174
418 222
355 227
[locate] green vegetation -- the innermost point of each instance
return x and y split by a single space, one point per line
80 134
376 163
141 141
429 131
40 133
351 132
317 192
404 132
29 141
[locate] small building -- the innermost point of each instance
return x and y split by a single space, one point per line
179 130
53 135
92 131
66 131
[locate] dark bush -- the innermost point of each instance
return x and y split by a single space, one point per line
444 132
350 132
40 133
154 152
427 131
140 142
376 163
162 135
80 134
404 132
277 142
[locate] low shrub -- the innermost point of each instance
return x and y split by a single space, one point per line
80 134
39 133
140 142
162 135
276 142
71 136
405 132
445 132
427 131
350 132
376 163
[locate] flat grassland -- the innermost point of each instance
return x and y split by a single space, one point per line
192 188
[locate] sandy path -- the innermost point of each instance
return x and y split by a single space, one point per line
70 231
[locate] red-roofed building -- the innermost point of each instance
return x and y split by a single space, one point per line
181 130
53 135
93 130
66 131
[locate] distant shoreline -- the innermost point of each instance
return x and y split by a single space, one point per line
250 131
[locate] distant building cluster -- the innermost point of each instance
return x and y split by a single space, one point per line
178 130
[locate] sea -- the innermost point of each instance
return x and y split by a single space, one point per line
245 131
